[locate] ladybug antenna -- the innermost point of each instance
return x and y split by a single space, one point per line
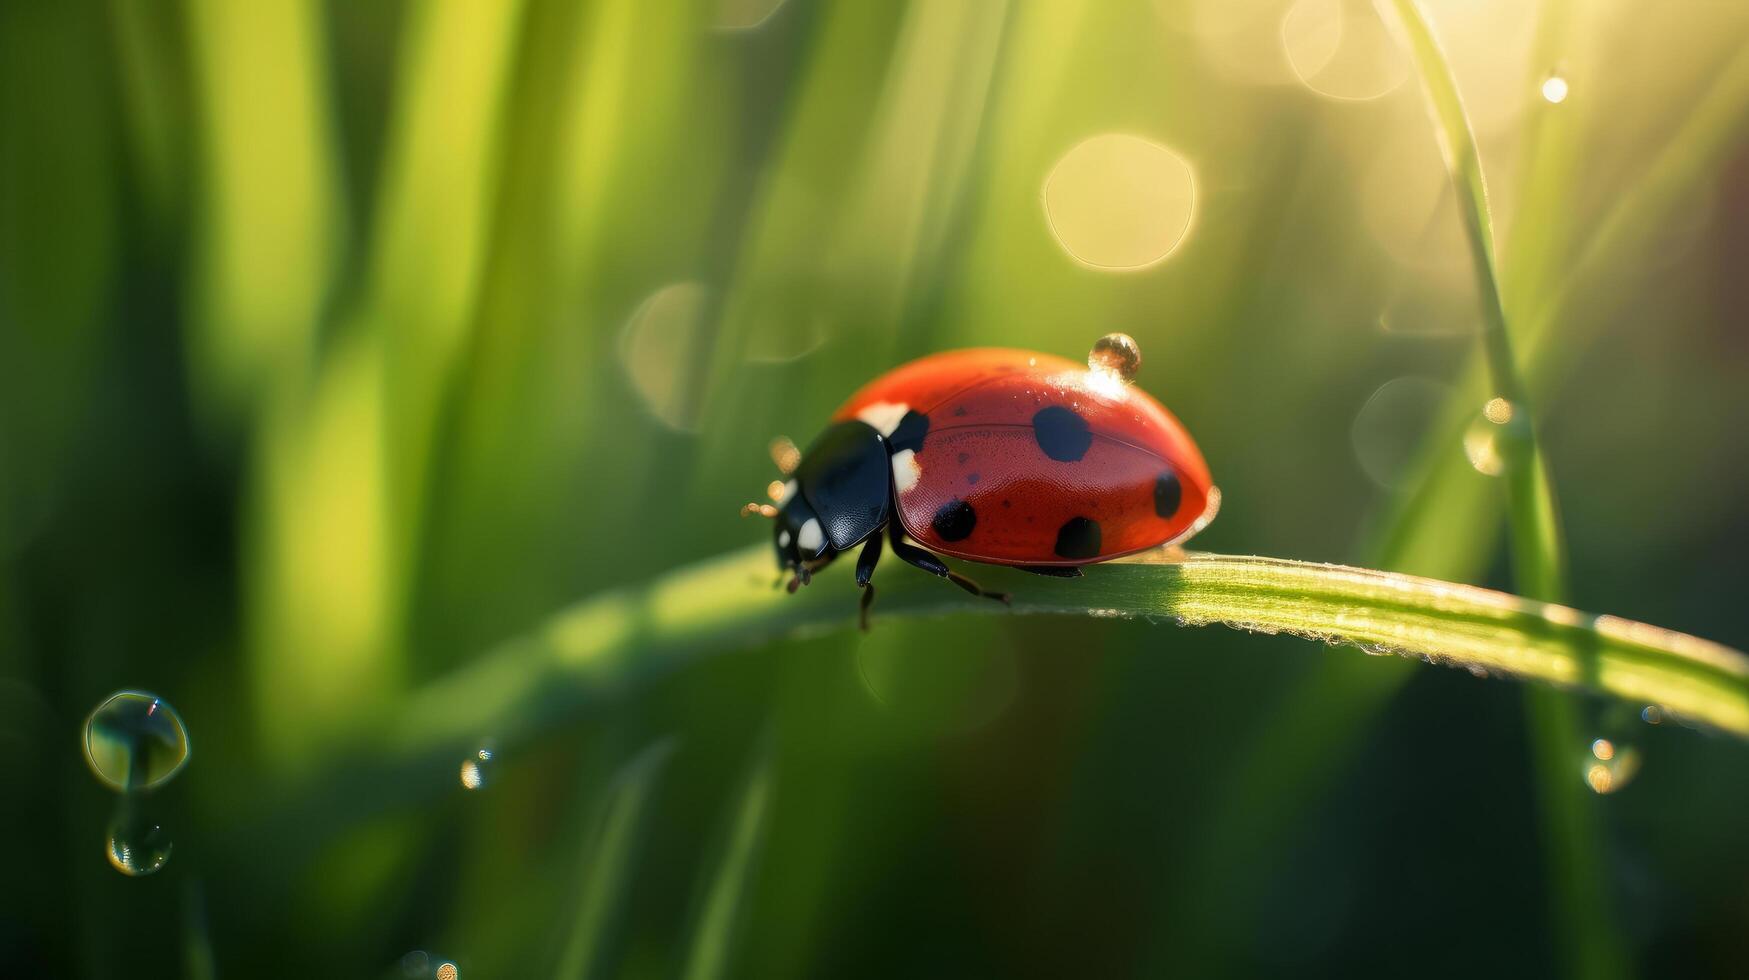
763 510
785 454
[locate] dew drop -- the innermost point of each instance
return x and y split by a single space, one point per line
477 769
135 741
137 845
1116 354
1554 90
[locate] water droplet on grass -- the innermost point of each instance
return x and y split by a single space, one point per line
137 845
135 741
477 769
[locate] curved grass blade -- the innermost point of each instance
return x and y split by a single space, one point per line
607 861
606 648
713 938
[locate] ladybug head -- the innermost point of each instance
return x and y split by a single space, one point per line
797 535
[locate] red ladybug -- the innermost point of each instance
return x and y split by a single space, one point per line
1008 457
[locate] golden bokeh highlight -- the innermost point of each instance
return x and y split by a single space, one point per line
1481 451
659 351
1119 202
1343 49
1554 90
1610 767
1388 429
1498 411
743 15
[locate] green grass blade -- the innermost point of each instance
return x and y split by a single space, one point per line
606 648
1537 549
607 862
713 939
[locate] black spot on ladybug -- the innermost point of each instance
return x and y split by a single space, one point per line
954 521
965 457
972 478
1007 503
1061 433
909 435
959 410
1167 494
1078 538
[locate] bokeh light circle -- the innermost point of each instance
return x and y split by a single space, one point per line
1120 202
1343 49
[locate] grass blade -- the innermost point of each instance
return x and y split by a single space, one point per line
713 940
606 648
1537 549
608 859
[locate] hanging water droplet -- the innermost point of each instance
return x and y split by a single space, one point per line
1609 766
135 741
477 769
137 845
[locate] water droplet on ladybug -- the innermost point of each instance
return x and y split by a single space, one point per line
1116 353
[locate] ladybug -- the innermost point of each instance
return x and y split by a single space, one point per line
1007 457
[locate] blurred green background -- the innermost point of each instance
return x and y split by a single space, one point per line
342 341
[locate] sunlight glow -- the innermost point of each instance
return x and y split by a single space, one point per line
1555 90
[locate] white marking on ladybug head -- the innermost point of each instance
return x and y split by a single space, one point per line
884 417
783 539
810 537
788 494
906 469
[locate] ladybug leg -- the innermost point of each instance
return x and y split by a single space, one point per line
865 566
1054 571
915 556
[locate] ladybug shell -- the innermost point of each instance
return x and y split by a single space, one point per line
1031 459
